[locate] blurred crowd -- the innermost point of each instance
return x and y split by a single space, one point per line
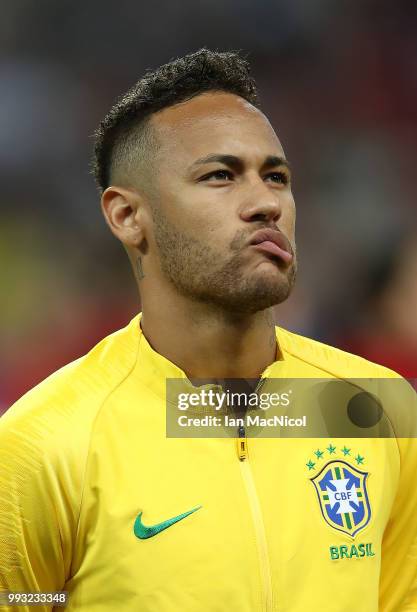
339 83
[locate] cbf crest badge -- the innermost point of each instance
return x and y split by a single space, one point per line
343 496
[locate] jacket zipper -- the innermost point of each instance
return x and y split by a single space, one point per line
242 444
257 518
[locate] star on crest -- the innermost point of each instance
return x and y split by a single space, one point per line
319 454
310 465
346 451
359 460
331 449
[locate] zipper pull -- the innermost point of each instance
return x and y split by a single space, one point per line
242 444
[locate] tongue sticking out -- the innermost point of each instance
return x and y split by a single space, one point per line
274 249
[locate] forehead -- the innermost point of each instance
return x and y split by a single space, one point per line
215 123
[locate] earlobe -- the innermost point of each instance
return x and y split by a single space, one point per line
122 211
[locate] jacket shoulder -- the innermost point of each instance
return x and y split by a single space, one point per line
85 382
329 359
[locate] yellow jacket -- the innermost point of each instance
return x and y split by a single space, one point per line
89 483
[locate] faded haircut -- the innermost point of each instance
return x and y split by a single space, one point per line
124 140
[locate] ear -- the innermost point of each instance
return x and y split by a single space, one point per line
123 211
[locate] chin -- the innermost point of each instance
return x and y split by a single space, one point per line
259 297
269 292
263 302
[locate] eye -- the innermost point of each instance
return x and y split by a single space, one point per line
279 177
221 175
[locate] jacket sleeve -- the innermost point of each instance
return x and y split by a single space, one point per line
398 585
37 513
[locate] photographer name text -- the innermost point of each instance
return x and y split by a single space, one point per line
247 421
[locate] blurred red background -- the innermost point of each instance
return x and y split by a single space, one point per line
339 83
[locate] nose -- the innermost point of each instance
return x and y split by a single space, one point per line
261 203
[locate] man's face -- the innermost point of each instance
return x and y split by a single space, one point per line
219 179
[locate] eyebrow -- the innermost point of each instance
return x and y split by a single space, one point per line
237 164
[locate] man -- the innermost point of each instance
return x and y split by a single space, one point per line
96 499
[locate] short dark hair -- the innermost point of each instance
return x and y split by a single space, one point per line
123 130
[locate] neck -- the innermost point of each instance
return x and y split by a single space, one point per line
208 343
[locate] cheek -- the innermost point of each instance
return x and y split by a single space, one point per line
182 208
198 215
213 235
288 217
